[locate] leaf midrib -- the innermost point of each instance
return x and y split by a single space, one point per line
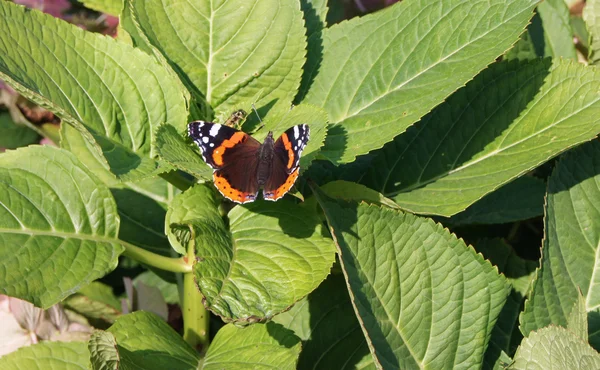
63 234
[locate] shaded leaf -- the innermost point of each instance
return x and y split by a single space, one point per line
330 332
59 225
570 247
519 273
259 346
382 72
96 301
511 118
13 135
168 290
518 200
411 282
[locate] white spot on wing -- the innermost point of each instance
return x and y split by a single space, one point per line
205 139
212 145
214 130
296 132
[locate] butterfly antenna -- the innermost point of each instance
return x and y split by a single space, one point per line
255 111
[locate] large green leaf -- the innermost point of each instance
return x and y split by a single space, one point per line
230 52
259 346
327 325
555 348
58 225
510 119
48 356
519 272
591 15
273 254
117 93
570 259
145 341
425 300
380 73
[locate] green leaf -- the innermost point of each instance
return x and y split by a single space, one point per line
382 72
570 247
510 119
174 149
230 52
144 341
259 346
112 7
327 325
142 217
558 34
195 204
519 273
48 356
58 225
13 135
577 321
273 256
351 191
591 16
518 200
411 283
96 301
555 348
103 351
112 93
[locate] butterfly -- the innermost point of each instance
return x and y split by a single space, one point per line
242 165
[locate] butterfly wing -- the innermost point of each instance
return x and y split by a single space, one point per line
286 160
233 155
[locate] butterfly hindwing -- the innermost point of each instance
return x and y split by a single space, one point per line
286 160
236 157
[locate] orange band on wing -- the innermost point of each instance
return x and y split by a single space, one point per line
229 192
288 147
217 155
280 191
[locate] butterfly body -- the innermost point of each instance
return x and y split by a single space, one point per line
242 165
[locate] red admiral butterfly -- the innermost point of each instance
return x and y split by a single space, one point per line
242 165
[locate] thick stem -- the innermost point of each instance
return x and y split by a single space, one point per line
156 260
195 317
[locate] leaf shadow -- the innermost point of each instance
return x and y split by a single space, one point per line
336 143
314 49
285 337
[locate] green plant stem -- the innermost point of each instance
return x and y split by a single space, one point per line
156 260
176 179
195 317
